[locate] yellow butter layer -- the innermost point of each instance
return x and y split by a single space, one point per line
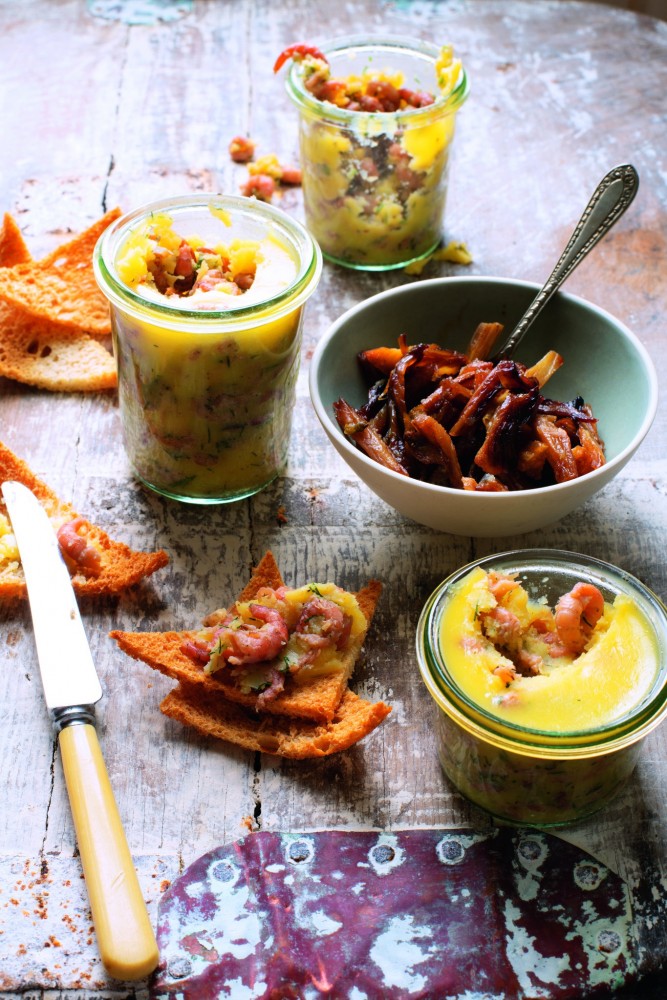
614 674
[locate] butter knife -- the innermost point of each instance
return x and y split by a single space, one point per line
125 937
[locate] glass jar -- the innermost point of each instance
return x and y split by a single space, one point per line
375 183
543 776
207 388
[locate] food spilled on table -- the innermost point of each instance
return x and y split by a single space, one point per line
242 148
98 564
459 421
267 175
271 672
577 666
374 154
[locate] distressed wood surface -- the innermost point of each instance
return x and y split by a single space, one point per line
100 111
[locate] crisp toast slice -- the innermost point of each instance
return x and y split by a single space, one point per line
13 248
316 699
61 287
36 353
121 566
34 349
213 715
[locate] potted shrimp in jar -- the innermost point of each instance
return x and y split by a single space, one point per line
548 669
376 126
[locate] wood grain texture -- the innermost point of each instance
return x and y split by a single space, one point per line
115 113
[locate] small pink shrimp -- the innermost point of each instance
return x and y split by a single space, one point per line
577 613
185 260
323 623
334 91
416 98
212 279
298 51
185 268
326 88
501 626
277 592
365 102
385 93
76 548
528 664
290 175
197 649
500 584
276 685
254 643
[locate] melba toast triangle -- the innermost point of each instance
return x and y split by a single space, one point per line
317 699
313 710
32 351
48 311
61 288
13 249
277 734
118 566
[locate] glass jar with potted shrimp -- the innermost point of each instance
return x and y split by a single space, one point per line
548 670
207 295
376 126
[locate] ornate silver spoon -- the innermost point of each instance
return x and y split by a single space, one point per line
608 203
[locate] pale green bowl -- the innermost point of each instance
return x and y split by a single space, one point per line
603 362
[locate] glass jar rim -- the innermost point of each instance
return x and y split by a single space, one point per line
306 252
323 109
627 729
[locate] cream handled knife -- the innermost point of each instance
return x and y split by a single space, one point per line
71 688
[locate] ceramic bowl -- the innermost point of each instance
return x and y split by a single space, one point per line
603 362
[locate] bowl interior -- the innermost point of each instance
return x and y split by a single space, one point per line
603 362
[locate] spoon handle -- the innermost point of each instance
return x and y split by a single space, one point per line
608 203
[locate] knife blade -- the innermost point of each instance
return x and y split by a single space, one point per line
125 937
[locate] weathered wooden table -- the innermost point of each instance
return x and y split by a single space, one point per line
120 103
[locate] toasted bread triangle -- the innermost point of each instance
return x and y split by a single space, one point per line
35 352
214 716
265 574
61 288
78 251
37 349
121 565
316 699
13 249
316 719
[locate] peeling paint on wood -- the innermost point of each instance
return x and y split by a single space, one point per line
500 915
140 11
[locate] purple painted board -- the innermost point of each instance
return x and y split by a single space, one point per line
451 913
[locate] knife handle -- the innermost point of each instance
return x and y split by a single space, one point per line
124 934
